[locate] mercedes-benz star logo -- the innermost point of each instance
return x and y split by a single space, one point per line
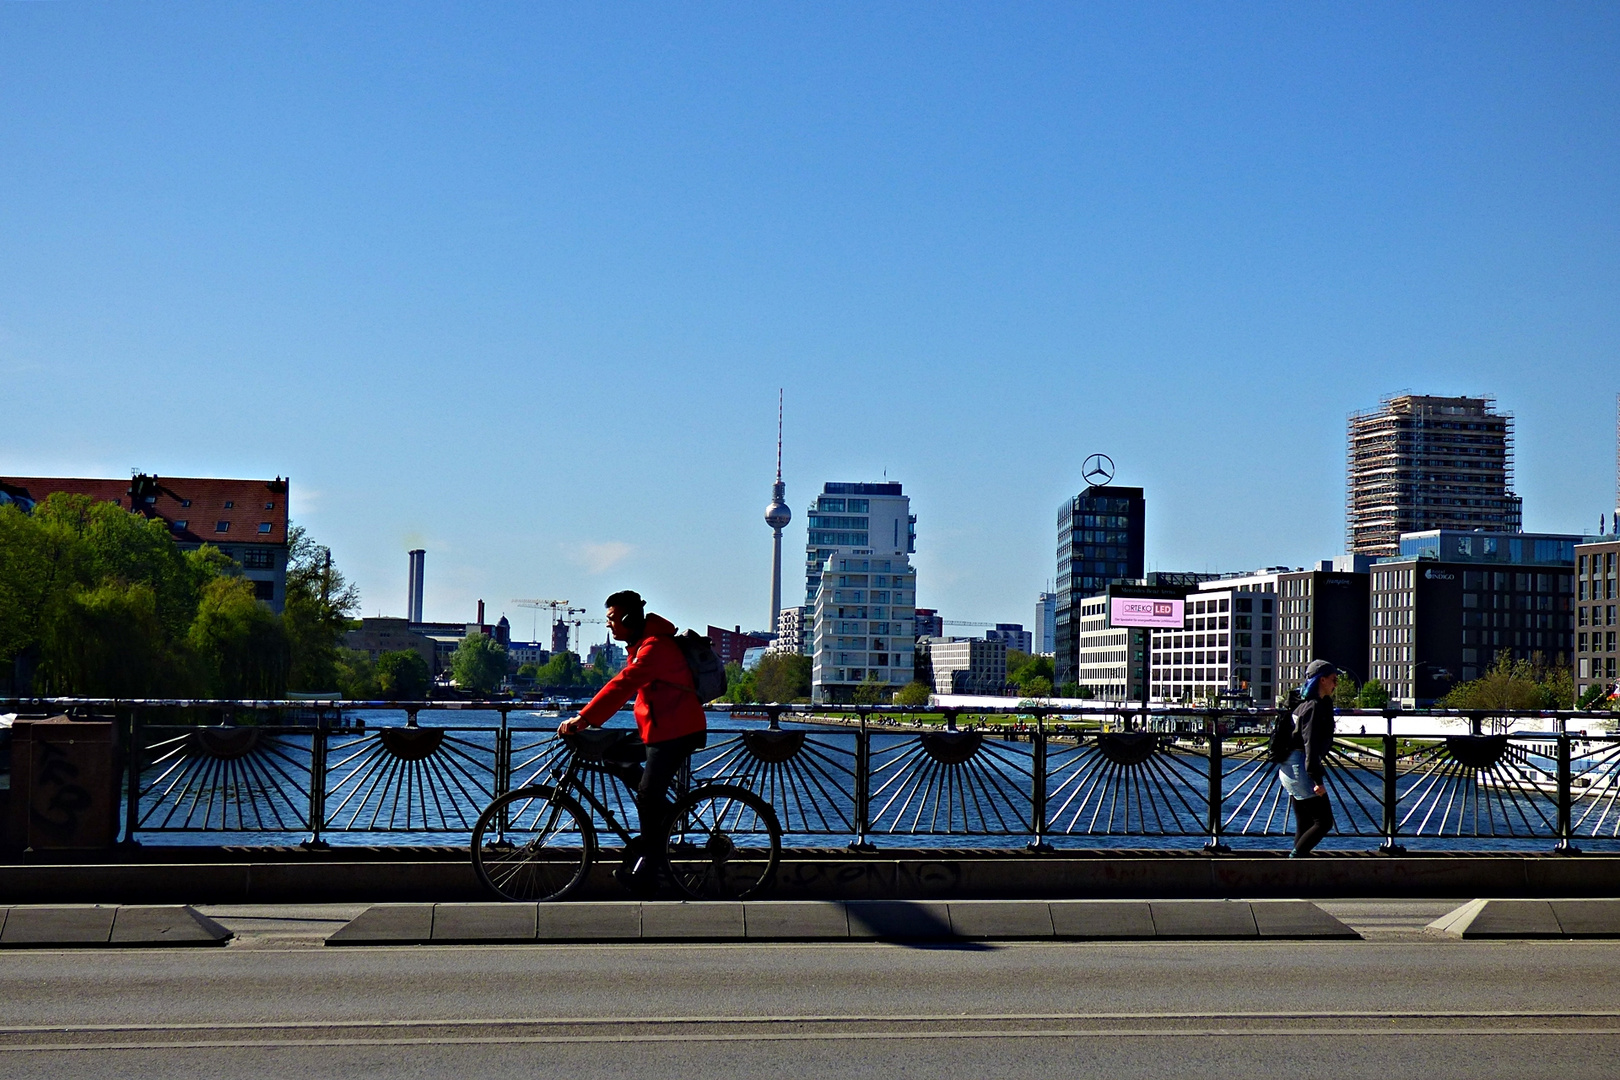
1098 469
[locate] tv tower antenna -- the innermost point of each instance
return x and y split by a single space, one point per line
777 516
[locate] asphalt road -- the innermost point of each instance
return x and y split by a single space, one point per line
274 1005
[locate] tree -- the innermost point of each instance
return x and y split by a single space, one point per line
105 641
913 694
739 685
561 670
1038 687
319 609
1372 695
872 691
1596 697
241 644
1515 684
782 678
403 675
479 663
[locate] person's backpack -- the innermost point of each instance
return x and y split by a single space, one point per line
708 673
1282 737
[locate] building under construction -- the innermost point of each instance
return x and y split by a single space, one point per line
1422 463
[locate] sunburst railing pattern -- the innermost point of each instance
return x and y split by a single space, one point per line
226 780
409 779
809 778
1129 783
950 783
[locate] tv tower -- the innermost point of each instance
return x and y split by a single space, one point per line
777 515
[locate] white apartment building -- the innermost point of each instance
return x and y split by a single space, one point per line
849 516
792 624
862 623
1225 646
1105 663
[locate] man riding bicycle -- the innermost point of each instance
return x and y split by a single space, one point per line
668 713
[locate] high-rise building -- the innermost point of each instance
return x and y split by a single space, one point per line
928 623
863 619
1452 602
968 666
792 631
1421 463
1596 656
873 517
1101 538
1046 623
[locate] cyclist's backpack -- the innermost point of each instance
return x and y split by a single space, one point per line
708 673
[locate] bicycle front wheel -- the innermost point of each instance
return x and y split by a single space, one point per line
723 843
533 844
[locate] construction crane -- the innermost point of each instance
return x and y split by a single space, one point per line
574 614
535 606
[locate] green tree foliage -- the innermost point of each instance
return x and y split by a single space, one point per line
1031 674
1372 695
1596 697
241 646
739 685
872 691
1037 687
782 678
319 610
563 669
403 675
913 694
479 663
1515 684
110 606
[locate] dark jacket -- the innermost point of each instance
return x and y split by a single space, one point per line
1313 733
667 706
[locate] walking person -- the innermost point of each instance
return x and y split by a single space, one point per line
668 713
1302 751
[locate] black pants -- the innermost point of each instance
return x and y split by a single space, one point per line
651 781
1313 819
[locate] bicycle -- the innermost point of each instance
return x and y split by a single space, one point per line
539 842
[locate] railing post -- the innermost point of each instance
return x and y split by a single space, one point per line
503 757
863 784
1566 838
1391 826
1037 784
1217 797
317 788
132 781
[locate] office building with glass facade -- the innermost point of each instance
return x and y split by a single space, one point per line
1101 538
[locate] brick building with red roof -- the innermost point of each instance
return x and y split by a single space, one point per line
245 519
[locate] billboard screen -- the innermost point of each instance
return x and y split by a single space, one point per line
1143 611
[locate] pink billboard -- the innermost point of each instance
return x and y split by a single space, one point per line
1141 611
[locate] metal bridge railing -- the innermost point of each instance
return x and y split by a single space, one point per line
1035 775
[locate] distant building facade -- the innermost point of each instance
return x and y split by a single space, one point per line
1012 635
856 517
1452 602
1109 662
731 645
928 623
792 626
968 666
1597 661
245 519
1226 644
1101 538
1322 614
862 623
1420 463
1046 623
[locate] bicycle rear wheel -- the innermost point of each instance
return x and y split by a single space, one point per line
723 843
533 844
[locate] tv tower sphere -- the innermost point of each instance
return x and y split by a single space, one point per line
777 515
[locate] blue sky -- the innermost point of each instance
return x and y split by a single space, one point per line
518 283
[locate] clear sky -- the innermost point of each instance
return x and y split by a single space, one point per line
518 283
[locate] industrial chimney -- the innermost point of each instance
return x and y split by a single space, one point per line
413 592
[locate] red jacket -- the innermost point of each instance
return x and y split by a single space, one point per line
667 706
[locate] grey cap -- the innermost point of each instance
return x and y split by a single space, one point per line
1319 668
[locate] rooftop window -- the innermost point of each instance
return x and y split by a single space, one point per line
181 524
264 526
229 505
185 502
222 526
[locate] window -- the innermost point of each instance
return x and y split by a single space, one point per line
185 502
257 559
222 526
264 590
180 526
269 506
229 505
264 526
